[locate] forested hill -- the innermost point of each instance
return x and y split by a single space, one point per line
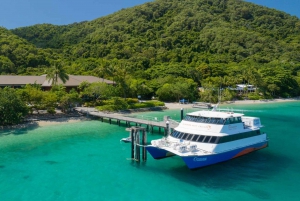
198 39
20 56
168 17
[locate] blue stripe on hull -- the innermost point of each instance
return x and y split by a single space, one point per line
157 153
194 162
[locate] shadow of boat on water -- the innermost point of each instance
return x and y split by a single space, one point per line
255 167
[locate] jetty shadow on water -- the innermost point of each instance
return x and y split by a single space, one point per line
19 129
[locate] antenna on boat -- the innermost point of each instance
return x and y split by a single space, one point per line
215 107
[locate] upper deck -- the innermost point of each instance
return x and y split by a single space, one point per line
217 123
215 114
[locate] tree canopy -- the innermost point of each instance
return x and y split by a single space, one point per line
12 108
200 40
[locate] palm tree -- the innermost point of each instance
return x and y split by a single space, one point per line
122 75
56 72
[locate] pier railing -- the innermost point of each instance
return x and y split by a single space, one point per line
137 119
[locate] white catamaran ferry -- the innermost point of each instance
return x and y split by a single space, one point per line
207 137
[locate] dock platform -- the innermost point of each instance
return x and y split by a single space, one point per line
149 122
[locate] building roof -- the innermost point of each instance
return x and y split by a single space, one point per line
74 80
7 80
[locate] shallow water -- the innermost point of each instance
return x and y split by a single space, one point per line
87 161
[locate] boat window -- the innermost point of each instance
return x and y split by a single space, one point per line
210 120
234 120
215 120
221 140
217 140
184 136
201 119
174 134
213 139
189 137
177 133
180 135
239 119
239 136
207 139
195 138
200 138
187 118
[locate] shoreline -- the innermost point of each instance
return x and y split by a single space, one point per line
40 120
238 102
250 102
61 120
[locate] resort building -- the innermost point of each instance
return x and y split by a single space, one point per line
17 81
239 87
243 87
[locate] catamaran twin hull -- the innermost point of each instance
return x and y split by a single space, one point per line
198 161
207 137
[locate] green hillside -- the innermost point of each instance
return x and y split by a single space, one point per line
18 56
204 40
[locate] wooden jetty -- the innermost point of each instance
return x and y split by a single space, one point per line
150 123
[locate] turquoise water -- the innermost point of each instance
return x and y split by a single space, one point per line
86 161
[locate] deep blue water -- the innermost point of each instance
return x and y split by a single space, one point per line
86 161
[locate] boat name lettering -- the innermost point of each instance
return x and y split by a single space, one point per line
208 127
200 159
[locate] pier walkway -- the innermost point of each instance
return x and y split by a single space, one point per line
149 122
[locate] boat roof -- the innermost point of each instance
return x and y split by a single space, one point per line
202 132
215 114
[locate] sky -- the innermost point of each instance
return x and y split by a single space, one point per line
20 13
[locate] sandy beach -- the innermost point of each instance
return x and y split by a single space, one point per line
263 101
249 102
38 123
62 120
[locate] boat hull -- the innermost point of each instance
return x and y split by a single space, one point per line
158 153
199 161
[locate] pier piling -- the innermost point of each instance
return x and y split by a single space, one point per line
138 141
181 113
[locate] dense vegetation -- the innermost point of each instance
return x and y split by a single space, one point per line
15 104
167 48
12 108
